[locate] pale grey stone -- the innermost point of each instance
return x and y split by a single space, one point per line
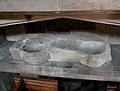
58 54
94 60
107 72
57 5
32 50
36 45
35 57
84 48
92 47
63 48
15 53
30 57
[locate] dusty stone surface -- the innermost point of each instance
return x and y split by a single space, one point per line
31 50
88 50
63 48
58 5
35 45
74 70
92 47
95 60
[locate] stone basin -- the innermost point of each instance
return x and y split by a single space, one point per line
35 57
36 45
37 49
32 50
92 47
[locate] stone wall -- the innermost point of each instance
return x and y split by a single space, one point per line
58 5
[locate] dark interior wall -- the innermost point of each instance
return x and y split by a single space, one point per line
61 25
2 35
108 33
56 26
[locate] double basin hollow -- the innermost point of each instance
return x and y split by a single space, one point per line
40 49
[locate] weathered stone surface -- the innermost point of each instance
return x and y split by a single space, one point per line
28 5
58 55
36 45
57 5
107 72
92 47
95 60
70 5
62 48
35 58
33 51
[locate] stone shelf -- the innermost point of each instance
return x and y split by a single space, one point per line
11 22
8 22
107 72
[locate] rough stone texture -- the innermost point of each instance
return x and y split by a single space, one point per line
34 58
58 5
69 5
28 5
107 72
95 60
92 47
26 49
6 81
62 48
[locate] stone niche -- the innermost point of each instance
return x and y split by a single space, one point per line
87 49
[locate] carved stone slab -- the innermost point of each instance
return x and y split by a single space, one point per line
38 48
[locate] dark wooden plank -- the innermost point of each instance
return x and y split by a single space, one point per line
39 84
19 86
